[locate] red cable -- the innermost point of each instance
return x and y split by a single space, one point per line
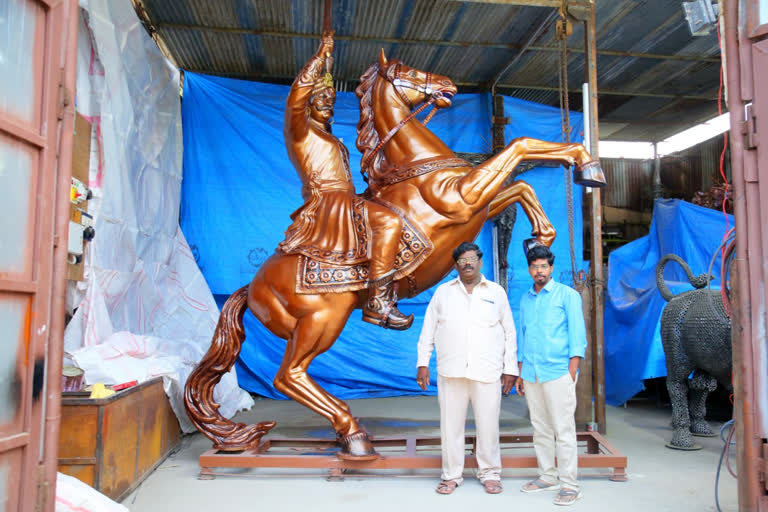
723 257
726 186
727 452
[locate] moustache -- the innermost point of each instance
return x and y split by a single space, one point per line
468 267
323 109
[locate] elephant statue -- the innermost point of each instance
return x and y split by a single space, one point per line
696 335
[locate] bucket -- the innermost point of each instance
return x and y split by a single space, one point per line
71 378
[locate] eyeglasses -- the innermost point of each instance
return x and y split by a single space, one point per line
543 266
464 261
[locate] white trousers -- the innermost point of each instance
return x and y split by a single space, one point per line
552 405
454 396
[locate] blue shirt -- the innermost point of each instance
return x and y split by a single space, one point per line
551 331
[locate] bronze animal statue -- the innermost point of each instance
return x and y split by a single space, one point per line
441 201
696 335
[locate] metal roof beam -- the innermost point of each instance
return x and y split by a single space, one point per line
534 35
354 79
428 42
528 3
607 92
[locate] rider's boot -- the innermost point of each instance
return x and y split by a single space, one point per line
381 307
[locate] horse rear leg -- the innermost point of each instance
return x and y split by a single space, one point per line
314 334
267 307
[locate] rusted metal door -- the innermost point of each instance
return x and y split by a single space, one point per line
746 43
35 59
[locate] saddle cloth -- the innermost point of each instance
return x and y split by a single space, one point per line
321 276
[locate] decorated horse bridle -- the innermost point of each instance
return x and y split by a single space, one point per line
398 83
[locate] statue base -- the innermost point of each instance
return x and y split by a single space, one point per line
406 453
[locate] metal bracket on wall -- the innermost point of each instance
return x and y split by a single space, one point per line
750 127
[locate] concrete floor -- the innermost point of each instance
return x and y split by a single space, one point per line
660 479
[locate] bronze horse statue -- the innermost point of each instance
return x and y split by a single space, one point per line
411 171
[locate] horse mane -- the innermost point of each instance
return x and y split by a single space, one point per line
367 136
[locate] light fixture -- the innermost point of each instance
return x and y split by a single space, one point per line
701 16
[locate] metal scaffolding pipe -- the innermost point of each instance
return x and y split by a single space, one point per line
596 241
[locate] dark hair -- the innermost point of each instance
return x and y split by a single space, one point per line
540 252
464 247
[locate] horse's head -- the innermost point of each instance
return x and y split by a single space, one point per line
413 89
414 86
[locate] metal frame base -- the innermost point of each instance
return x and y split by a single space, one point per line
396 453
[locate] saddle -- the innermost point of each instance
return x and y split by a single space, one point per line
318 274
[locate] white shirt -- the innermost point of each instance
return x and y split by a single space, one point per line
474 332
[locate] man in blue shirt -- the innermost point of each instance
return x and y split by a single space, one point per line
551 343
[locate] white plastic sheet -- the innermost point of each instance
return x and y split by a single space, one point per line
145 309
72 495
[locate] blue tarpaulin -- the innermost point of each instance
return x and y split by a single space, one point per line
633 306
239 189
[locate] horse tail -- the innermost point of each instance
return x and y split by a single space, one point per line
697 282
198 391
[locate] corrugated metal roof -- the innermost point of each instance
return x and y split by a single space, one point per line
470 41
630 182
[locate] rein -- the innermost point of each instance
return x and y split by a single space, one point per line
397 84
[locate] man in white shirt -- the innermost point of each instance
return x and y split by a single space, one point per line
470 323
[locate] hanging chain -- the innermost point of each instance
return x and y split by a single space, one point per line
563 30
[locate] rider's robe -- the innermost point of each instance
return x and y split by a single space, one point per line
332 224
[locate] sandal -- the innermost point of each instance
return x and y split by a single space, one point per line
539 485
493 486
567 497
446 487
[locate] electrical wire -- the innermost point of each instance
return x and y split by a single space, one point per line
729 236
723 455
725 134
727 250
726 185
728 443
725 263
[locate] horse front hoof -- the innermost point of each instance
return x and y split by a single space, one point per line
530 243
357 446
589 174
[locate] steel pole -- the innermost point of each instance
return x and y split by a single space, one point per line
596 241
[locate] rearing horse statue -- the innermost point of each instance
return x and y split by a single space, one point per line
442 199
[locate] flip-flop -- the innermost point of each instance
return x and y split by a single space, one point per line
567 497
539 485
493 486
446 487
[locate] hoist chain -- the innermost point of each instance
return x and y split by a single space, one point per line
565 121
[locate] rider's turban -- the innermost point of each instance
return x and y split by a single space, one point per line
323 83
